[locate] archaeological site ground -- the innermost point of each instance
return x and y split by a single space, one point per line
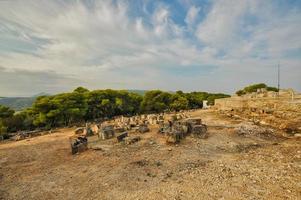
247 150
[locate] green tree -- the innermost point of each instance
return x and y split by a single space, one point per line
81 90
254 88
81 105
179 103
156 101
195 99
6 112
274 89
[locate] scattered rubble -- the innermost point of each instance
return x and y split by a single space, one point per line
248 129
177 130
281 111
27 134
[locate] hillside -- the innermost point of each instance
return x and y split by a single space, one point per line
17 103
20 103
140 92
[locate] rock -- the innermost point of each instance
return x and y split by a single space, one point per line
194 121
174 137
107 132
152 142
289 127
99 147
89 131
132 139
19 136
79 130
141 163
298 135
200 131
122 136
119 130
78 144
158 163
143 128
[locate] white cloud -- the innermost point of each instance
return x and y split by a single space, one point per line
221 26
192 15
104 45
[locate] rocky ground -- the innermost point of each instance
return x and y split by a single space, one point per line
223 166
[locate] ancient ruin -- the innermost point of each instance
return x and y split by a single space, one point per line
78 144
280 110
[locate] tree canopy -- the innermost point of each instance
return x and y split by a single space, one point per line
83 105
254 88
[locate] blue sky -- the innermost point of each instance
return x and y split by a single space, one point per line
189 45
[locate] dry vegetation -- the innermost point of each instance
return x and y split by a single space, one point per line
223 166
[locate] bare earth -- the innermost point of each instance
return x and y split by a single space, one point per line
223 166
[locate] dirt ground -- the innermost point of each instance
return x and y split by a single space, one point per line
223 166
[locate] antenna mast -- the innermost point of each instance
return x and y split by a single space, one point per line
278 78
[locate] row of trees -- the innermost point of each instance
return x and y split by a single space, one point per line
83 105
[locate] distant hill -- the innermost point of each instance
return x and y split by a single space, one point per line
141 92
41 94
19 103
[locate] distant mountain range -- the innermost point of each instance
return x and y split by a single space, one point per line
141 92
17 103
21 103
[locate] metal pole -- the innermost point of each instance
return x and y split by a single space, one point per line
278 79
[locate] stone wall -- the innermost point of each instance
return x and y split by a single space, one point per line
279 112
242 103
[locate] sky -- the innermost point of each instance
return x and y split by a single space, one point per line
190 45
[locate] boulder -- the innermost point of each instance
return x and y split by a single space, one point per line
200 131
19 136
119 129
194 121
174 136
289 127
164 127
106 132
78 144
79 131
143 128
132 139
89 131
121 136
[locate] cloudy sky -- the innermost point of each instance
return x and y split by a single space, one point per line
192 45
